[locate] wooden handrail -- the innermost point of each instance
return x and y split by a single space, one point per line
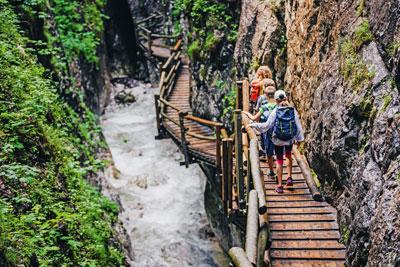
203 121
177 45
201 137
144 29
169 104
169 118
163 36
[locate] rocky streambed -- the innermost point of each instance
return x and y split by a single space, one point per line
162 203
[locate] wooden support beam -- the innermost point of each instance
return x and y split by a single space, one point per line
158 119
264 241
218 151
239 97
246 95
239 258
227 168
252 227
258 180
316 194
183 137
239 159
149 42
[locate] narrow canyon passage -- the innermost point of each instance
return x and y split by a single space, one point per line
162 202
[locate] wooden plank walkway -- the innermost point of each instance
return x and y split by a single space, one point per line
180 97
304 232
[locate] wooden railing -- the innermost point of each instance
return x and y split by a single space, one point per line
148 29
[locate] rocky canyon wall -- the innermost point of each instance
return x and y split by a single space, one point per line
341 65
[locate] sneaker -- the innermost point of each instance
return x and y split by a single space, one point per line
279 189
289 181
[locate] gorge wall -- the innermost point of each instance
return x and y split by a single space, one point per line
340 62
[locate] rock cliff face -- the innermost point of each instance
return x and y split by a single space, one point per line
342 70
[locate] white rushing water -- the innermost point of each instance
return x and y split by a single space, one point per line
163 202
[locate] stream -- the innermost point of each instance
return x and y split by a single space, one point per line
162 202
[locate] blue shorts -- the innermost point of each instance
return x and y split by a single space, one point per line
267 144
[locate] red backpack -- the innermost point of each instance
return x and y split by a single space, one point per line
255 90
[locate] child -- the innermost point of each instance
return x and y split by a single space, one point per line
263 99
256 88
266 107
287 130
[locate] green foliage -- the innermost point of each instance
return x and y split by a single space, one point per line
211 42
392 48
345 235
353 67
274 5
255 64
386 101
73 26
229 103
194 50
360 7
48 212
206 17
364 143
362 35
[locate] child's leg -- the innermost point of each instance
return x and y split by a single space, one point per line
269 147
279 162
288 155
263 142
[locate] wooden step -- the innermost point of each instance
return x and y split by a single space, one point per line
299 226
308 263
305 235
308 254
282 197
307 244
302 217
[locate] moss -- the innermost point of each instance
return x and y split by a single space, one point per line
362 35
353 67
194 50
392 48
364 143
212 42
315 177
255 64
366 107
275 5
360 7
386 101
345 235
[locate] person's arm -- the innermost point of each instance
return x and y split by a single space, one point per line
265 126
253 117
300 135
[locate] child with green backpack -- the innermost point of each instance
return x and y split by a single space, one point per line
265 105
286 130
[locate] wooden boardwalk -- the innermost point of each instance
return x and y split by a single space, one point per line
304 232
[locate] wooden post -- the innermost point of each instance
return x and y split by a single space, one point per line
218 151
149 42
182 115
252 227
246 95
258 180
239 258
239 159
263 258
307 175
227 173
158 119
239 97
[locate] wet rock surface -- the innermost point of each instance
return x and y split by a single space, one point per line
349 105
